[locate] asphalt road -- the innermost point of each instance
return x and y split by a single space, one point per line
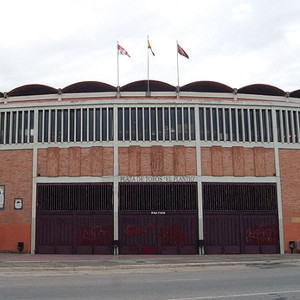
278 281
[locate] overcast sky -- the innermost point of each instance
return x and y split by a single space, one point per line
235 42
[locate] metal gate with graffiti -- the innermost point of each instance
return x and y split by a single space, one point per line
74 219
158 218
240 218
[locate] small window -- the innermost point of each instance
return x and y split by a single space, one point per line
146 121
84 124
153 124
201 123
59 118
66 125
167 125
120 124
179 123
104 124
133 124
192 122
140 124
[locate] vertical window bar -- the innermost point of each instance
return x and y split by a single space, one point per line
241 125
8 127
21 125
95 123
179 123
296 124
262 127
25 130
59 125
2 128
221 124
189 128
120 124
147 123
88 133
270 123
176 123
170 124
231 125
140 124
182 123
49 125
3 119
160 123
255 126
173 123
217 125
104 124
205 123
136 124
211 124
163 123
264 119
111 124
52 125
13 127
227 125
129 123
156 123
290 127
17 126
31 126
43 126
143 123
285 126
281 126
224 125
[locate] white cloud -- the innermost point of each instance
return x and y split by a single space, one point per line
236 42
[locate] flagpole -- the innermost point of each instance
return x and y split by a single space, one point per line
148 83
118 79
177 70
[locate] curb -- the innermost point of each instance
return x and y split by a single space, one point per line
81 268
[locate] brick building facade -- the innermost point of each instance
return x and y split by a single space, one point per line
96 169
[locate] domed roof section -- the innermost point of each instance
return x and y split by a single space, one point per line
141 86
32 89
261 89
295 94
88 87
206 87
1 95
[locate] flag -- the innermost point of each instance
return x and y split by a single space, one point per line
122 51
149 47
182 52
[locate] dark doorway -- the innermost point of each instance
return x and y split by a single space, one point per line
240 218
158 218
74 219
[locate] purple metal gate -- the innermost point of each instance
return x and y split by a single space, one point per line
74 219
158 219
240 218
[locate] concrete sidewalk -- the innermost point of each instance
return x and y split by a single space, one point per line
32 263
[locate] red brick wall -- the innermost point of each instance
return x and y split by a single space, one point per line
237 161
290 192
157 161
75 161
16 175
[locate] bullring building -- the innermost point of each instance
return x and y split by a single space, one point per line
200 169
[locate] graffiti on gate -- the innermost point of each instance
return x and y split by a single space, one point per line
170 235
133 230
173 236
262 235
94 235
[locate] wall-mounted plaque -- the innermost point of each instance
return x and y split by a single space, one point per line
2 196
18 203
